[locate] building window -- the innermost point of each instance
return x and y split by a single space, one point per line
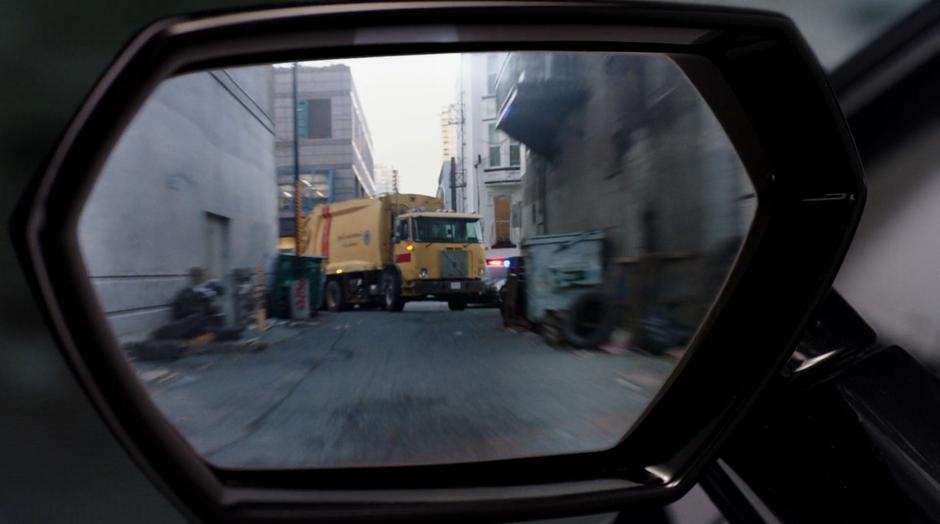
489 108
314 189
285 197
314 118
514 153
494 146
491 71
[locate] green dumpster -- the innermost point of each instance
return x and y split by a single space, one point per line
560 268
285 271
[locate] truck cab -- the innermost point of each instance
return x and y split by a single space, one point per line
438 255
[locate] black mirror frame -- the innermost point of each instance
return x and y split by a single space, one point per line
759 78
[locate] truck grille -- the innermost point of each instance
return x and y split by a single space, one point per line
454 264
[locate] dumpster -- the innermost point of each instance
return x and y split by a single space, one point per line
286 271
560 269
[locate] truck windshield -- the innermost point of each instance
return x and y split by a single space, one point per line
440 229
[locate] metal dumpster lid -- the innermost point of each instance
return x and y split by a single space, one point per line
594 234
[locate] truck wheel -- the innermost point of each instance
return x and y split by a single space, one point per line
391 291
457 303
590 320
334 296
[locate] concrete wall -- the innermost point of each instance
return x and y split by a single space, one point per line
196 161
644 159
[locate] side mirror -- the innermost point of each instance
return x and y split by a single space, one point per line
396 232
749 70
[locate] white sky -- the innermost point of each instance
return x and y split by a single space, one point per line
402 98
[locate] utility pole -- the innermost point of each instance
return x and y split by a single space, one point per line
300 287
298 201
453 183
458 176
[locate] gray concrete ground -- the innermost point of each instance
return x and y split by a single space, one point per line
424 386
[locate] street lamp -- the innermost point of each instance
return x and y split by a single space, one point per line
298 202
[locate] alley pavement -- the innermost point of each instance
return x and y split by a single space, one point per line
424 386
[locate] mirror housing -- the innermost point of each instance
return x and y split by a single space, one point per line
753 69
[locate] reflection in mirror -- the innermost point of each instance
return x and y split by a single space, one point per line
414 260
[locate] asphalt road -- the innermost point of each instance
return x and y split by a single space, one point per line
424 386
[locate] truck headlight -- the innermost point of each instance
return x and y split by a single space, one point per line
423 273
482 271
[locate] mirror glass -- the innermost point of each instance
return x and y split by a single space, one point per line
414 259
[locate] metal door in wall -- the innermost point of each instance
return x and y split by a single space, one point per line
217 245
501 211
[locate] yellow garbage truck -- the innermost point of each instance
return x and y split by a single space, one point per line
394 249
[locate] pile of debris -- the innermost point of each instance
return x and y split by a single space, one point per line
198 326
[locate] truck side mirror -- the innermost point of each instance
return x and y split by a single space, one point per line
401 230
396 232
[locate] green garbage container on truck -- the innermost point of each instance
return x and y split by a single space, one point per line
285 271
